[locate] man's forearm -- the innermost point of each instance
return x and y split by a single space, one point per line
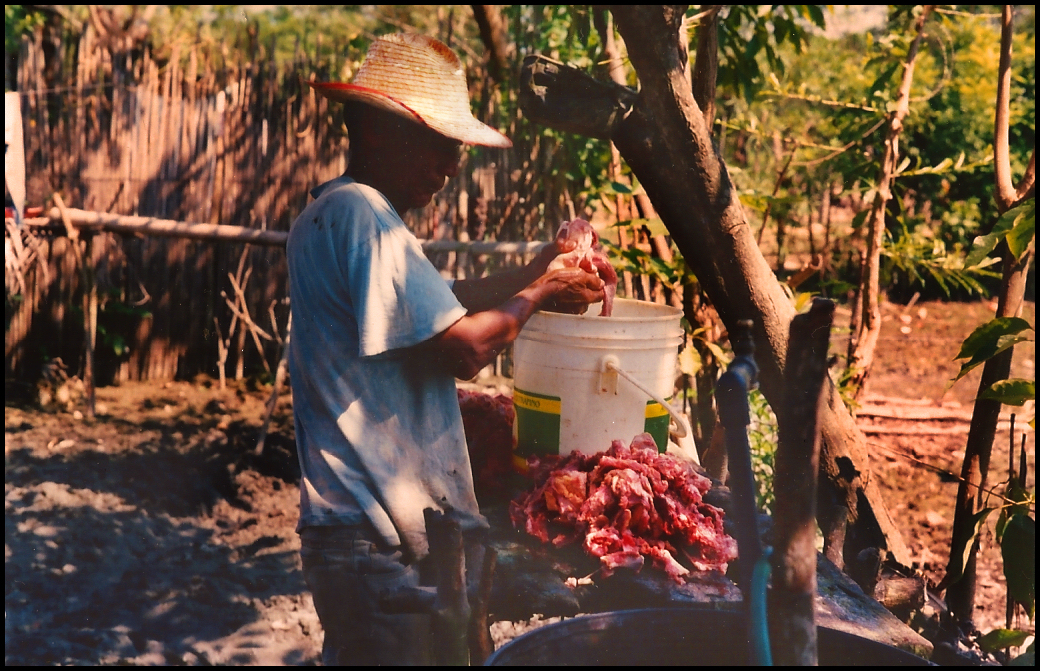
478 295
474 341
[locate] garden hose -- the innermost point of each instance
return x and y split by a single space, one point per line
758 618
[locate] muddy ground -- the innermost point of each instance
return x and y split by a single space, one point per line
156 535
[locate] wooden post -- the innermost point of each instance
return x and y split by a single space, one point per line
279 379
481 560
85 258
792 616
90 316
451 608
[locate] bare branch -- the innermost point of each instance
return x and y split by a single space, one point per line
493 34
1007 194
243 313
1027 187
1001 152
706 63
615 63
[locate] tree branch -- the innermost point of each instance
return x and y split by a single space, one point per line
1001 152
493 35
1008 195
706 63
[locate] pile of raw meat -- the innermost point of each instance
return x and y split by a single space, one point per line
588 255
627 504
488 421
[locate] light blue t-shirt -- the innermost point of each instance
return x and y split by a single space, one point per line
379 433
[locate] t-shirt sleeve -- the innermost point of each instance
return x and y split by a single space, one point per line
399 298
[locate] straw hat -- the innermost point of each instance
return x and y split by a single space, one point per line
421 79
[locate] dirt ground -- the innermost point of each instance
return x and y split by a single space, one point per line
156 535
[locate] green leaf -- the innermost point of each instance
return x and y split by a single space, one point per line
802 300
1018 549
816 15
990 339
617 188
961 548
1020 505
1024 215
655 225
720 354
690 360
1024 231
940 167
1015 391
998 639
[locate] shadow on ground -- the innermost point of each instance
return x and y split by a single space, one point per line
161 544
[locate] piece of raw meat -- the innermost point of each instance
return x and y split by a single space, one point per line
588 255
626 505
488 422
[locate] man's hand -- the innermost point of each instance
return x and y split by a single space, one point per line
572 289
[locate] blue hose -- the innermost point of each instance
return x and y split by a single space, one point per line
758 621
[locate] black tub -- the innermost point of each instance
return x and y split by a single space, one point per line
673 636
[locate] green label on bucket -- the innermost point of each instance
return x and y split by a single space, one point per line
656 424
537 426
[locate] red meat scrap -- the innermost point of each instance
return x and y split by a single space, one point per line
625 505
488 421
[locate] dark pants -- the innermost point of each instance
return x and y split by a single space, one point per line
346 569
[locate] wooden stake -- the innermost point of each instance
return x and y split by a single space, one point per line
90 312
279 379
792 613
85 259
451 609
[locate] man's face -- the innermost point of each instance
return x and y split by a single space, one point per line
421 161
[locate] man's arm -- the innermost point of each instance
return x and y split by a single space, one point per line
475 340
486 293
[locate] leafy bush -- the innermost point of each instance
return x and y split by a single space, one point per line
763 437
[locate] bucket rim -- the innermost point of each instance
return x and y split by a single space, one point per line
646 343
669 312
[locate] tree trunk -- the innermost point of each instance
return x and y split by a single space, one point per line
960 594
663 136
493 34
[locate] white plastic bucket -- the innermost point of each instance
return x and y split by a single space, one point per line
582 381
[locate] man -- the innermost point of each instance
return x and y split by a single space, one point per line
378 340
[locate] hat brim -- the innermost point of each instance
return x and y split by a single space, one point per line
468 130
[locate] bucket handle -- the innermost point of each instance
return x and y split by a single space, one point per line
610 363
